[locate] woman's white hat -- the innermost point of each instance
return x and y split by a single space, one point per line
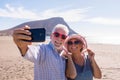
76 36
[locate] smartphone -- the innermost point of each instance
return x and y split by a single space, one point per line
38 34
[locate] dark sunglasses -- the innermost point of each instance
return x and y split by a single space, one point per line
75 42
56 34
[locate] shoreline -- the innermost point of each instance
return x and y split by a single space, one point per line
10 38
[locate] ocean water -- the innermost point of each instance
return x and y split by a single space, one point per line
101 40
104 40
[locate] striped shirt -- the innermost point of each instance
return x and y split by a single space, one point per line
48 64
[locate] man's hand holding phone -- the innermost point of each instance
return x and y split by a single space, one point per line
21 37
25 36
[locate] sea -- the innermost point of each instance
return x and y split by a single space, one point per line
100 40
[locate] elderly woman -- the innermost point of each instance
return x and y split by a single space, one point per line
83 58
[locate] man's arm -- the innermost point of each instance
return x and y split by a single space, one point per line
20 37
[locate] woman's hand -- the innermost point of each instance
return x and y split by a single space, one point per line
66 54
91 54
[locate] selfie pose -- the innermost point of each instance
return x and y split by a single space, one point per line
48 64
83 58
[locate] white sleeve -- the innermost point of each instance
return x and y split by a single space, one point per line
32 53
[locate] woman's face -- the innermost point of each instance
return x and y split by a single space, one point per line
74 45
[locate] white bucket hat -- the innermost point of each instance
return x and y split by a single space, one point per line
76 36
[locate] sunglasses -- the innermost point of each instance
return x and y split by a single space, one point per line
75 42
56 34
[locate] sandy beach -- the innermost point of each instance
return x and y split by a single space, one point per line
14 67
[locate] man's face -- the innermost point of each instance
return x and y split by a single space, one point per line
58 37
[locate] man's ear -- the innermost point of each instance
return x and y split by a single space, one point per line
51 36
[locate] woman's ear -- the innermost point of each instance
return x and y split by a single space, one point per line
81 49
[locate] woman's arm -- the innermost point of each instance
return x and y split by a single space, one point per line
70 68
96 70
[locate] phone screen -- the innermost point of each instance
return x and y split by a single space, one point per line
38 34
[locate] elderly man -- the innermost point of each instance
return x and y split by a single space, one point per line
48 64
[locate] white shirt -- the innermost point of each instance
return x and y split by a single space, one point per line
48 64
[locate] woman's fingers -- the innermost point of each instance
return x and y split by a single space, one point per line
90 53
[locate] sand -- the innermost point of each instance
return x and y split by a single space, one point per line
14 67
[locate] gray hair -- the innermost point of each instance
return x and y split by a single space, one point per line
61 26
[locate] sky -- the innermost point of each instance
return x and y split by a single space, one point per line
92 18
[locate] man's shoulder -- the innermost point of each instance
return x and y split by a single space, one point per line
43 45
40 46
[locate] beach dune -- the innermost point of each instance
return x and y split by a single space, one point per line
14 67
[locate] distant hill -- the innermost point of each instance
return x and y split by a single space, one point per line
48 24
